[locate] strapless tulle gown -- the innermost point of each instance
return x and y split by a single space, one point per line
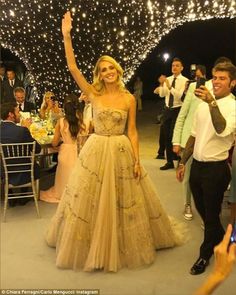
106 219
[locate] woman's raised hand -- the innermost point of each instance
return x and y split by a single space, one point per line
66 25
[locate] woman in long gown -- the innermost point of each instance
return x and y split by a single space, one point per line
68 133
109 215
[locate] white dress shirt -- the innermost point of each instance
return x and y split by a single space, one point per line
22 105
12 82
177 91
209 145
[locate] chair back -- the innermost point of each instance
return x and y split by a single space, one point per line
18 158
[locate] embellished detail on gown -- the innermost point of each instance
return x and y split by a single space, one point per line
106 219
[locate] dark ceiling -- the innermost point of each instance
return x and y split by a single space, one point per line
127 30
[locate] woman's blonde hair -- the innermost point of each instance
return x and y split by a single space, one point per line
47 94
98 84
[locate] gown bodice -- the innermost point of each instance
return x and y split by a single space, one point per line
109 121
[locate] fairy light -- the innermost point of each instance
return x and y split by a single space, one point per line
126 30
12 13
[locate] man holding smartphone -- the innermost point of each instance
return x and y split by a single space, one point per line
211 138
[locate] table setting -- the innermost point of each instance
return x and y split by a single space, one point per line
41 130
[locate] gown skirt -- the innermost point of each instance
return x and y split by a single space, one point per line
106 219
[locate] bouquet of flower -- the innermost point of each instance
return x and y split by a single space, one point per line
40 133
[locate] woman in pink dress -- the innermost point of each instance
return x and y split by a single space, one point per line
69 130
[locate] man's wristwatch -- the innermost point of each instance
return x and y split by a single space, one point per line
213 103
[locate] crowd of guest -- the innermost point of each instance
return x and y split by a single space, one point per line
198 126
69 130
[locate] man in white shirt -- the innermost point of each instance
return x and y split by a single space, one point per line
172 89
211 138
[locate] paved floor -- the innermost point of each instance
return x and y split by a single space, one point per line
27 262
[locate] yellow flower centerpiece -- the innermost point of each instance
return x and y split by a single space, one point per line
39 132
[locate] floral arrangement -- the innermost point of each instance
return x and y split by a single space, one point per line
42 131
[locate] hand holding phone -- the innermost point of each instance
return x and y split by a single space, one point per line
233 234
200 81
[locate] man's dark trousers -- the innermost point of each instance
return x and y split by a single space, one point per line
169 118
208 182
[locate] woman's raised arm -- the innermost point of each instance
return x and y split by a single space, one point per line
70 57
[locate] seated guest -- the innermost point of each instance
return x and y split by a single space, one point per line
71 130
12 133
24 106
50 108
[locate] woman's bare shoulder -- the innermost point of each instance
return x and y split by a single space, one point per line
130 99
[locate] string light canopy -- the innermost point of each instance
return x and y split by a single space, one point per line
126 30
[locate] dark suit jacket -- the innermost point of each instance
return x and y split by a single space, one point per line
1 91
11 133
2 79
28 106
7 90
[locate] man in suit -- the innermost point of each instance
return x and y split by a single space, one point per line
12 133
2 78
9 85
172 89
2 72
24 106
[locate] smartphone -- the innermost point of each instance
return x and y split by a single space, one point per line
200 82
233 234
